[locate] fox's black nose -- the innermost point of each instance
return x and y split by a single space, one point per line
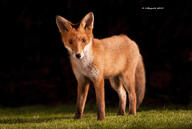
78 56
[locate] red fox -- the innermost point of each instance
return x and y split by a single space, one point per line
116 58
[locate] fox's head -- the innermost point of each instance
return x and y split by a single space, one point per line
77 38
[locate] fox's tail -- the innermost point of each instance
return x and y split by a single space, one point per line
140 82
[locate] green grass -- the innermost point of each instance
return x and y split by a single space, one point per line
61 116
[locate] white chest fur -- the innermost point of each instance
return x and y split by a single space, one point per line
84 66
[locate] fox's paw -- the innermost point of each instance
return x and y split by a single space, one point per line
121 113
77 116
101 118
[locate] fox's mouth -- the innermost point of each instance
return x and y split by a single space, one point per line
77 56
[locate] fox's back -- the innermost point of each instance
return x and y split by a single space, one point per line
116 53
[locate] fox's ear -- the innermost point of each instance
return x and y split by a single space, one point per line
88 21
63 24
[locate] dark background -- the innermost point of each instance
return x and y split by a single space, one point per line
34 65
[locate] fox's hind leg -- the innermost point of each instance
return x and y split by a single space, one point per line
128 80
116 84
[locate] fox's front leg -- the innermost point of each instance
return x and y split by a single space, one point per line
100 97
82 91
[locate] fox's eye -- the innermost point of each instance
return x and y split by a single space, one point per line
83 40
70 41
